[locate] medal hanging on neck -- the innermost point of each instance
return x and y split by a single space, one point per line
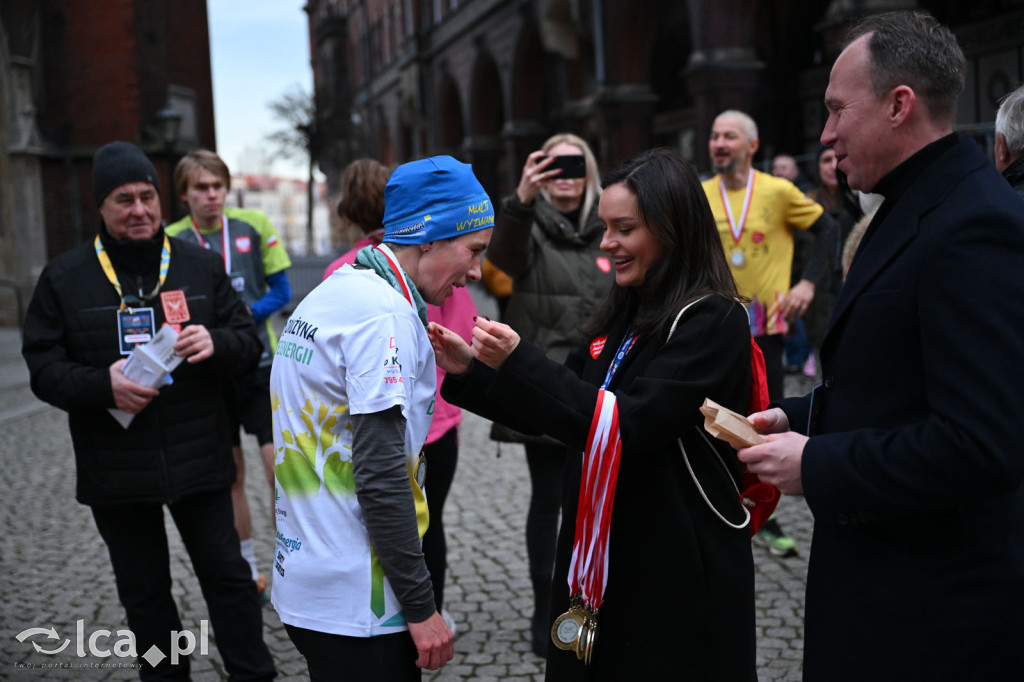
576 629
135 324
737 258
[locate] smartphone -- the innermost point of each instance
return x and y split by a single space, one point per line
572 165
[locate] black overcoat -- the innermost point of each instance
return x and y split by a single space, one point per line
915 464
679 601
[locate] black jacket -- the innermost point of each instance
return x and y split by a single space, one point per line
180 443
915 466
680 597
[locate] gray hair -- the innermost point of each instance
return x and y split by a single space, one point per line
746 123
913 49
1010 120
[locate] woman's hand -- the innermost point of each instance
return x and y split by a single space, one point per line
493 342
451 352
534 176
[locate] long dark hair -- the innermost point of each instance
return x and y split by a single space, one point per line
672 205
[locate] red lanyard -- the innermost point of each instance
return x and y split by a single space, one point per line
226 253
737 230
398 274
588 571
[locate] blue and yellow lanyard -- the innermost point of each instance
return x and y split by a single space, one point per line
108 270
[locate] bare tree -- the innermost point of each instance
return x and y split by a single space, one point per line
299 137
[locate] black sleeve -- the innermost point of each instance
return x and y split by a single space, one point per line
385 497
55 376
511 247
826 248
708 357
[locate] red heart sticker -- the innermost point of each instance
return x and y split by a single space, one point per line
596 346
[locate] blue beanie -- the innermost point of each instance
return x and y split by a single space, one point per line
432 199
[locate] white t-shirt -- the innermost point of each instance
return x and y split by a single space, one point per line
354 345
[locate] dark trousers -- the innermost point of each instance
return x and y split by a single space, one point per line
137 543
773 346
547 469
442 456
337 658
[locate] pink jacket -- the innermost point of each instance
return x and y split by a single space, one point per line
456 313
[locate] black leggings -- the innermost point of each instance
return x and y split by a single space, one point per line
336 657
442 456
547 469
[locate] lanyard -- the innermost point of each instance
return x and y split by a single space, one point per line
226 252
588 570
737 230
624 347
108 269
398 273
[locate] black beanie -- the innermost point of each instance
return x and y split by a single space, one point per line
119 163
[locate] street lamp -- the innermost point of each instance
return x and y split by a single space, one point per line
169 121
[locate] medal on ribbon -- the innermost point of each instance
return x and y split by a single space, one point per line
576 629
737 258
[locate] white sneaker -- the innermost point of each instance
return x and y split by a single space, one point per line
447 617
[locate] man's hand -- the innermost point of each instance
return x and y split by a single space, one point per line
770 421
434 642
194 343
128 395
777 461
797 300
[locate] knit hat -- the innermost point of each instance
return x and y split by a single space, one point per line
432 199
119 163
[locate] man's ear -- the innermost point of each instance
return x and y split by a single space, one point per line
902 101
1001 152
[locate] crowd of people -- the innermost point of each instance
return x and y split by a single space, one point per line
633 297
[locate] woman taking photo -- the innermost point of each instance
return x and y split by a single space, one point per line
548 241
677 590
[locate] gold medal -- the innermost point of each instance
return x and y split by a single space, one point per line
565 633
588 636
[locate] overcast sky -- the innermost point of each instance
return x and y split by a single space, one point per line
260 49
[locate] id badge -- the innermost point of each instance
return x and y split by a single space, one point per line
135 326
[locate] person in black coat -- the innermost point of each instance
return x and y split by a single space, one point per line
679 596
909 451
91 306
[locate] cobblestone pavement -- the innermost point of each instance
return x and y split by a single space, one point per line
56 572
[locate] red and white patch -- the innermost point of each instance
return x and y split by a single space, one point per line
272 240
596 346
757 237
175 306
603 264
243 244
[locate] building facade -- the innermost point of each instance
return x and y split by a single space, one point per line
74 75
488 80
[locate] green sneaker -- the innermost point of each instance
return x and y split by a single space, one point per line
779 544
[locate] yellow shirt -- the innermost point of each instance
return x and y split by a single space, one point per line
761 259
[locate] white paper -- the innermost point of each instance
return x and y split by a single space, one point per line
151 365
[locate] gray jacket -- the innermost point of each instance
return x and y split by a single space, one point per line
559 273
